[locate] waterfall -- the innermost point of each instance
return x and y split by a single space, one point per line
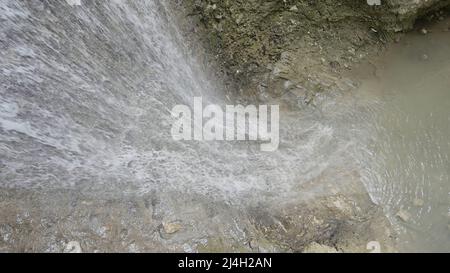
85 104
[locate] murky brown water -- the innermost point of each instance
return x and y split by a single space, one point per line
410 167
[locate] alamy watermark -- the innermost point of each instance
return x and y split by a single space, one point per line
236 123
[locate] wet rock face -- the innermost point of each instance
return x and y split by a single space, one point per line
407 11
249 37
65 221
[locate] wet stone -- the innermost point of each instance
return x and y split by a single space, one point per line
404 216
171 228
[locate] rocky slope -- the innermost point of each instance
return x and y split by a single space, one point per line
266 46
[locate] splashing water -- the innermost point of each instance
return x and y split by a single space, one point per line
86 98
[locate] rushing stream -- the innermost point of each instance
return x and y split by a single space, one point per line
86 95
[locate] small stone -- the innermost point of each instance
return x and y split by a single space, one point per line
418 202
424 57
294 9
403 215
211 7
171 228
73 247
424 31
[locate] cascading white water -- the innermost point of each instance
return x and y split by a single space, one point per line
86 99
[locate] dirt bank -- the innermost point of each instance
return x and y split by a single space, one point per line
304 45
37 221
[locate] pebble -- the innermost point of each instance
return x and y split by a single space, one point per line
171 228
424 31
294 9
403 215
213 7
424 57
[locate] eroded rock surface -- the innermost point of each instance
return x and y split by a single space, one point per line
265 46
